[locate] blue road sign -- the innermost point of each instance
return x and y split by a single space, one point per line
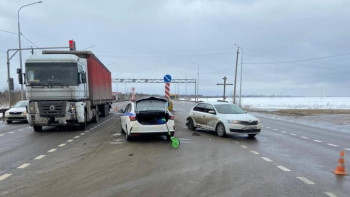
167 78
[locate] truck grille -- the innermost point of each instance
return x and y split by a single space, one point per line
249 122
52 108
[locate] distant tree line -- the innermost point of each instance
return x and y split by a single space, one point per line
4 97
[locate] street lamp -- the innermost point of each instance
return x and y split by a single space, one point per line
19 42
240 84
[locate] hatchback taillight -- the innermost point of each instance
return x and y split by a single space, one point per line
172 118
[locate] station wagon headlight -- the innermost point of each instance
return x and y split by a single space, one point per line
24 113
233 121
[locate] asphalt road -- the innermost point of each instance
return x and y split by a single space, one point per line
286 159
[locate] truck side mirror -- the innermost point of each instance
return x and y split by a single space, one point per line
83 77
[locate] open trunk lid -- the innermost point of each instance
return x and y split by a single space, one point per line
152 111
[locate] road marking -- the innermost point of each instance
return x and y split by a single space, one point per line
304 137
52 150
4 176
283 132
237 142
82 134
332 145
347 149
305 180
275 129
243 146
266 159
254 152
76 137
11 132
24 165
61 145
87 131
21 130
330 194
118 134
71 140
283 168
317 141
293 134
267 127
40 157
1 135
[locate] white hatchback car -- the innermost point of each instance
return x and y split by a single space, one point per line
223 118
148 116
18 112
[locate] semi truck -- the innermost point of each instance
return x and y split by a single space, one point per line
66 88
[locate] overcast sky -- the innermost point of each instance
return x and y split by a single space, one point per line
291 47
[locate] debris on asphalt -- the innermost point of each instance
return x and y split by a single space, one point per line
131 154
196 134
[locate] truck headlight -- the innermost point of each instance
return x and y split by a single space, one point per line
233 121
72 108
31 108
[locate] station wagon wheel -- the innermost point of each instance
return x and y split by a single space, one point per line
251 135
190 124
220 130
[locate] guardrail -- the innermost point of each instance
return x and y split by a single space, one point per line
3 110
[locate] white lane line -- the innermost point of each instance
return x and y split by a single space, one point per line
2 135
254 152
293 134
317 141
275 129
71 140
330 194
243 146
24 165
266 159
11 132
237 142
87 131
76 137
332 145
52 150
4 176
21 130
304 137
40 157
61 145
305 180
283 132
283 168
82 134
267 127
347 149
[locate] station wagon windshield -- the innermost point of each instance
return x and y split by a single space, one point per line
49 74
228 109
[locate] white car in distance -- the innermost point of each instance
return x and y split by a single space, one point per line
223 118
18 112
148 116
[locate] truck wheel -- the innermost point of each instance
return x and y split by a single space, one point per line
127 136
104 111
97 116
37 128
220 130
9 121
82 126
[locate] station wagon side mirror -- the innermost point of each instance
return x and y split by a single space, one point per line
211 112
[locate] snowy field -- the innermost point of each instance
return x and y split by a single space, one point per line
291 102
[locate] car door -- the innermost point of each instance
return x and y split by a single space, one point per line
198 113
210 119
124 118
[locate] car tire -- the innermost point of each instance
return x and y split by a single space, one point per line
251 135
8 121
127 136
37 128
220 130
190 124
121 128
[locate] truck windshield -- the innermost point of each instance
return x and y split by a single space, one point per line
229 109
52 74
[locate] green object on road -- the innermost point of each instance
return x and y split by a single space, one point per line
175 142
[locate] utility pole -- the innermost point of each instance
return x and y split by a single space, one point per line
224 84
234 90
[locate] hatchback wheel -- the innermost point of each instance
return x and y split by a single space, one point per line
190 124
220 130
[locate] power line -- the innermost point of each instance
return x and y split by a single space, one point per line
302 60
29 40
10 32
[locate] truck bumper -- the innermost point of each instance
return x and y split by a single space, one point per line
36 119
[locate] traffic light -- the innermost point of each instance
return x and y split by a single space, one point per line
72 45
